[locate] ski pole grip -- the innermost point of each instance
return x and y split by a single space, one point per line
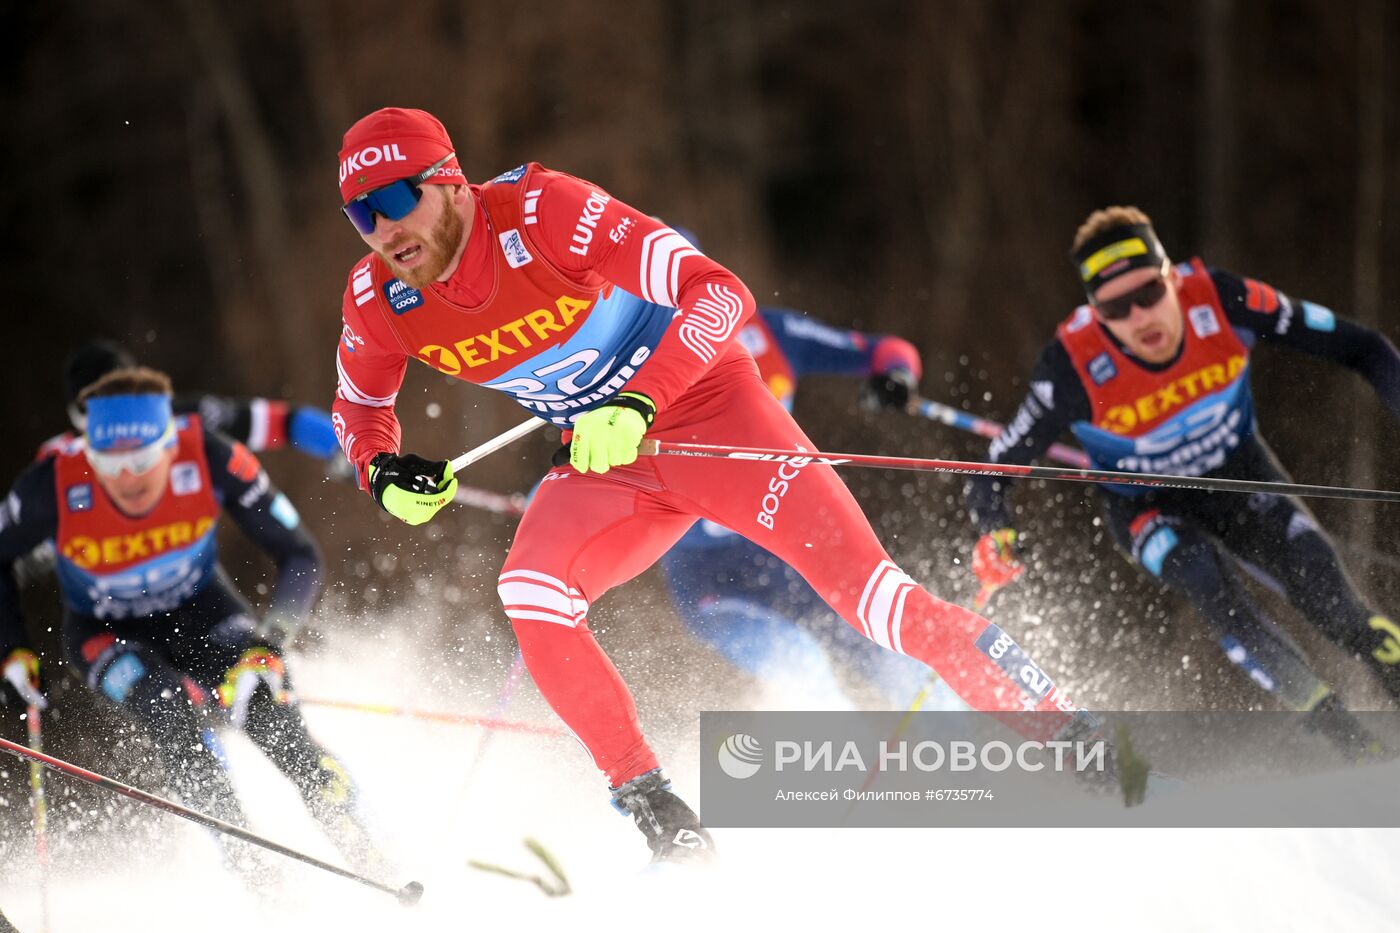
648 448
561 456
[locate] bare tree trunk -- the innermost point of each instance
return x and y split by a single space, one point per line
1370 191
989 117
208 171
323 71
262 184
1215 232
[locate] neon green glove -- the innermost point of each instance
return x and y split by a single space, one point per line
609 436
410 488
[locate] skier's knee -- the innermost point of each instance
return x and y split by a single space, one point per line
327 787
1158 544
529 596
1192 564
144 686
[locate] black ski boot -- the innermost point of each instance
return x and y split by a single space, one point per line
673 831
1331 720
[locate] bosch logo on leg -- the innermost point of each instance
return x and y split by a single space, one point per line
778 487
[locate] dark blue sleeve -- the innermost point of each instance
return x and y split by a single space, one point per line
28 517
270 521
814 348
1055 401
1274 317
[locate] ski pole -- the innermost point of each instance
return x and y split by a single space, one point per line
407 895
915 705
513 677
1070 456
488 501
39 809
983 427
458 719
1073 456
651 447
504 439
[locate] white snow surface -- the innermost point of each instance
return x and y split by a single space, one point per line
412 775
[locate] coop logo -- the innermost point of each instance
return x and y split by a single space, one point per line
79 499
740 756
369 157
1101 369
402 298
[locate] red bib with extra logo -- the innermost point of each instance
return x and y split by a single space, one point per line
1185 419
111 565
532 303
558 346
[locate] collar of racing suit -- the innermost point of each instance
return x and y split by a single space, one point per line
474 279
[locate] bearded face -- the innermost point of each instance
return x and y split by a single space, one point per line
419 248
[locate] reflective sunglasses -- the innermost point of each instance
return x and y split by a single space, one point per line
135 462
394 201
1144 296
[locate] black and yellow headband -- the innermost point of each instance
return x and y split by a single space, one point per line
1115 251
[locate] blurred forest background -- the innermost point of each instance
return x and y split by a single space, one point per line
914 167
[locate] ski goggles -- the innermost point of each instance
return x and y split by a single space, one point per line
1145 296
393 201
136 461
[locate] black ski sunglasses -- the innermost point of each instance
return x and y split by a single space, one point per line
1145 296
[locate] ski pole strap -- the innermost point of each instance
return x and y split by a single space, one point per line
1072 456
651 447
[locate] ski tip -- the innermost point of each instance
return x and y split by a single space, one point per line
410 894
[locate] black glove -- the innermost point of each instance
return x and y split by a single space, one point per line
410 488
891 390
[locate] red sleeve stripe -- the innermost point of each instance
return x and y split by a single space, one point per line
363 284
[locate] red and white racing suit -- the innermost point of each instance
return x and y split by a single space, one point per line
565 295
